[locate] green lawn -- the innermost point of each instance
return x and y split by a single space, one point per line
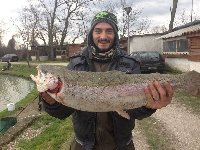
56 134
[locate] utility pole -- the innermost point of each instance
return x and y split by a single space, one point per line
128 10
192 12
173 13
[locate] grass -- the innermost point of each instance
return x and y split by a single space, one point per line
190 101
54 136
20 70
56 133
153 131
171 71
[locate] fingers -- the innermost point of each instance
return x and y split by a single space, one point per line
154 91
158 95
169 89
150 99
47 98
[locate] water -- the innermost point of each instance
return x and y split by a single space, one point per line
13 89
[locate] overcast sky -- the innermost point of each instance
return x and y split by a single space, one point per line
158 11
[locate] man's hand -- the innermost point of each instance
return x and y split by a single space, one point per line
158 95
47 98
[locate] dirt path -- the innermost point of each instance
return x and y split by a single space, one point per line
182 125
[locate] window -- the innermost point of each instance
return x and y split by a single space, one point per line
170 46
180 45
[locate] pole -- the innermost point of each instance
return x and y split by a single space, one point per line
128 37
128 10
192 12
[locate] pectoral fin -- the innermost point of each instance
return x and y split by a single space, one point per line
123 114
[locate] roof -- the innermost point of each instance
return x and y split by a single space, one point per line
143 35
191 27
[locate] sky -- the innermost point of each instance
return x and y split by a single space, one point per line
158 11
8 10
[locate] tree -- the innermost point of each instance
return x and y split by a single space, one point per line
182 19
56 18
159 29
56 22
2 30
28 28
11 44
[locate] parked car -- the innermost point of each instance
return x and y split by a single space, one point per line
11 57
150 61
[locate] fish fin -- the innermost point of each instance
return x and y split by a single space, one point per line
123 114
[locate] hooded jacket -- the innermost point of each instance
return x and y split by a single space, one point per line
85 122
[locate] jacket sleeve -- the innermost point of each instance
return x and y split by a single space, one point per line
56 110
141 112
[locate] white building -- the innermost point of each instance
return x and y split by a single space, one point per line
181 47
146 42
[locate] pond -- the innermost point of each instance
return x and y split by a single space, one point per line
13 89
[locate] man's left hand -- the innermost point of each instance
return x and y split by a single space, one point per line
158 95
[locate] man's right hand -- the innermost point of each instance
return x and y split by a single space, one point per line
47 98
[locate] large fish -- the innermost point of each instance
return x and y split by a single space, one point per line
106 91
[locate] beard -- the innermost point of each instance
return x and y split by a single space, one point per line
105 41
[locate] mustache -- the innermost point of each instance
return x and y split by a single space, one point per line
104 40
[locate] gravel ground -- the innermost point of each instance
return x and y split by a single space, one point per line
139 139
182 125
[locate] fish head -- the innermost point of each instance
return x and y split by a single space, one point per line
45 81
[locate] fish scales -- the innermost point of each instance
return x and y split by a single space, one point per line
112 90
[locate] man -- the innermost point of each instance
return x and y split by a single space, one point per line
106 131
7 67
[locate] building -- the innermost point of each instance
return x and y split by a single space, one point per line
41 52
146 42
181 47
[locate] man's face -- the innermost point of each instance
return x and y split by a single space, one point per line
103 36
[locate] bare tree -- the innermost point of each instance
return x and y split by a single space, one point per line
182 19
53 21
49 16
3 30
83 26
159 29
57 18
73 9
11 44
1 36
28 27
